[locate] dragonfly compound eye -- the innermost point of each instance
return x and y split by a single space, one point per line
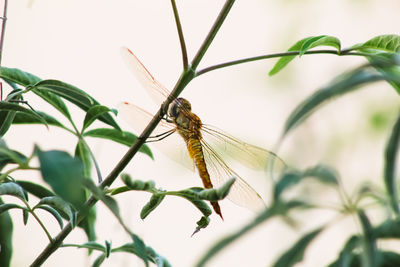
178 105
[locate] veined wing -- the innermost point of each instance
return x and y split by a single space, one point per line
250 156
155 89
219 146
174 146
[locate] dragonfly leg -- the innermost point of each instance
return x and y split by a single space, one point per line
160 137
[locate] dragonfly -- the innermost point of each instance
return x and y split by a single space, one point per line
205 148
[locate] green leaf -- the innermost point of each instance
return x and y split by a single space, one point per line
369 241
140 248
157 258
390 177
75 96
286 181
155 200
6 119
322 173
25 216
8 206
219 193
122 137
8 156
18 76
12 189
302 46
59 204
53 212
64 174
99 260
6 231
55 101
88 224
92 114
194 198
388 229
15 107
345 84
82 152
137 184
201 224
347 256
322 40
24 118
35 189
388 43
108 248
296 253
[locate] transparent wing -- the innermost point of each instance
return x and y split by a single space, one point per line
173 146
155 89
250 156
241 192
219 146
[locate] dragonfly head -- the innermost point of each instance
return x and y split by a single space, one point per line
178 106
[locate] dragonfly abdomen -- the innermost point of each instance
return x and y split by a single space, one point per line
196 153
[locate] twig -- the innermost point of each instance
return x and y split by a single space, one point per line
3 28
180 33
285 54
210 37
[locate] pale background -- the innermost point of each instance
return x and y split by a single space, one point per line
78 42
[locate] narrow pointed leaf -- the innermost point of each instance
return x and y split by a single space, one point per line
18 76
140 248
390 176
302 46
369 241
157 258
296 253
99 260
12 189
108 248
8 206
92 114
6 119
57 203
345 84
16 107
218 193
53 212
153 203
35 189
322 173
82 152
25 216
347 255
6 232
54 100
75 96
24 118
122 137
322 40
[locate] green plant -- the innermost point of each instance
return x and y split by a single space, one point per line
71 194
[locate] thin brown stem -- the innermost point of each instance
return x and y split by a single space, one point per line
276 55
3 28
180 33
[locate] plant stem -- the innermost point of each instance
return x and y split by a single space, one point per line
185 78
39 221
285 54
180 33
3 28
210 37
